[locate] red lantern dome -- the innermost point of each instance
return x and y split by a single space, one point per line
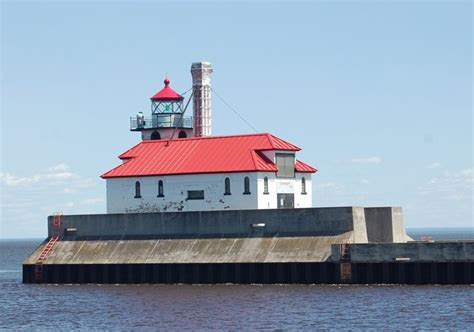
166 93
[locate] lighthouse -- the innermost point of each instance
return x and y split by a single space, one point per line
168 119
185 206
180 166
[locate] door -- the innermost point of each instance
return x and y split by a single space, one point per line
286 201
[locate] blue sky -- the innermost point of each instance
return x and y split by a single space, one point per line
378 94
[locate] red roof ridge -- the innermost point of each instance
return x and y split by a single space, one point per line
133 147
252 153
204 137
269 137
303 167
275 139
210 154
110 171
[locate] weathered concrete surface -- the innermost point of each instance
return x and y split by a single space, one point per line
193 250
455 251
293 246
379 224
359 226
286 235
399 234
217 224
385 224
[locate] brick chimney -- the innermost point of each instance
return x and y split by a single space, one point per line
201 72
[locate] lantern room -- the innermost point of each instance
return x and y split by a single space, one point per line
166 100
167 117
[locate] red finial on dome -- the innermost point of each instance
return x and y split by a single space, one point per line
166 93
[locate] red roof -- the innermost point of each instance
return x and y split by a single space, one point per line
212 154
166 93
303 167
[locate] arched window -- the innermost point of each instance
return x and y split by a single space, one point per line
155 135
227 186
137 190
160 189
303 186
265 186
246 186
182 134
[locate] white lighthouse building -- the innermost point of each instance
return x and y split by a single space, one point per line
179 166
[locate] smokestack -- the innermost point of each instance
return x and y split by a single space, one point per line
201 72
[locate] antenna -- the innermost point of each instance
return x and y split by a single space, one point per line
233 110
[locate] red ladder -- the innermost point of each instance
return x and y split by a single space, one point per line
346 251
48 247
346 266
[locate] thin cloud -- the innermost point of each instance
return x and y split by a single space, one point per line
56 187
326 185
54 175
11 180
62 167
367 160
434 165
91 201
450 185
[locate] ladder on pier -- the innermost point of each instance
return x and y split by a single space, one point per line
48 247
346 268
346 251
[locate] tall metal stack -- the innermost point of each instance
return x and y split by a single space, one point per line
201 72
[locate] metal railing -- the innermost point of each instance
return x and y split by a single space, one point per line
160 121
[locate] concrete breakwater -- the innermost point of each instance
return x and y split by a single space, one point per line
315 245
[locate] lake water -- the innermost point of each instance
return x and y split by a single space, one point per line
177 307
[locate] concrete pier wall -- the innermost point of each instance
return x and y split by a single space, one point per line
244 246
385 224
218 224
453 251
193 250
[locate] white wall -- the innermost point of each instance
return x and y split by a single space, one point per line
303 201
121 192
281 185
166 133
267 201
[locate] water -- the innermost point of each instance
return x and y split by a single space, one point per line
448 234
176 307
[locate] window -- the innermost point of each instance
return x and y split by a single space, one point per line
303 186
195 194
246 186
155 135
160 189
286 165
137 190
182 134
227 186
265 186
